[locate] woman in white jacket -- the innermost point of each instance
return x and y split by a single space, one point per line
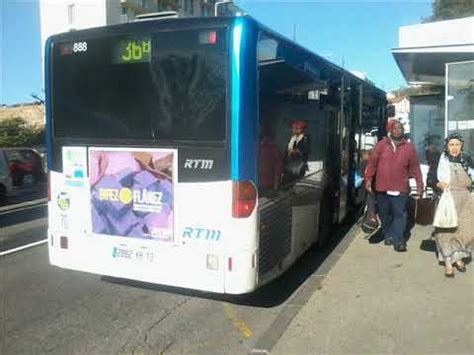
454 174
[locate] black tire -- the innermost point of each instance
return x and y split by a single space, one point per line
18 179
3 194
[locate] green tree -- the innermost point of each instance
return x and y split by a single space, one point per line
14 132
451 9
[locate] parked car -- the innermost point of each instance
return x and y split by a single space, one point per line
26 166
5 175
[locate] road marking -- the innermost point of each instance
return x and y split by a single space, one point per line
239 324
23 247
23 205
23 209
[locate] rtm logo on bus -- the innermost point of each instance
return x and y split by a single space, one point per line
143 200
203 164
213 235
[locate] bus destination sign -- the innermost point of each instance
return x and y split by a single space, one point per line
132 50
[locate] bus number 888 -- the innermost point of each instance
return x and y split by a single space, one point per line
79 47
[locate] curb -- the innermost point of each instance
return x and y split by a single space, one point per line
296 303
19 206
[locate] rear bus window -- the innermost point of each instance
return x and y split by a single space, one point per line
163 86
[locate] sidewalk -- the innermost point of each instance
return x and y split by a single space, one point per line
375 300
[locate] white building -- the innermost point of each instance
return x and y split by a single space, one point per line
402 110
438 58
424 49
58 16
132 8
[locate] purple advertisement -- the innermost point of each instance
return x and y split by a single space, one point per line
132 193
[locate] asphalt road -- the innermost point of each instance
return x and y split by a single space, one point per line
44 309
23 219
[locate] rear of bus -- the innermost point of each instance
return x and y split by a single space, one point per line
147 177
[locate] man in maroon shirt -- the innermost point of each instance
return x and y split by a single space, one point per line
392 162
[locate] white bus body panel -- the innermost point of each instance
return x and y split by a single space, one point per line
206 237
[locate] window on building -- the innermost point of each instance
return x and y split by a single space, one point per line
71 14
204 11
188 7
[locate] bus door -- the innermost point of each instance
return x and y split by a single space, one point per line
343 167
333 164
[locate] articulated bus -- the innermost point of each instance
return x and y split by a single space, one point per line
153 150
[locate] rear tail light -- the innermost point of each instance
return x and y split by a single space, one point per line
244 199
208 37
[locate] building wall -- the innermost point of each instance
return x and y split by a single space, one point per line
64 16
33 114
442 33
58 16
197 8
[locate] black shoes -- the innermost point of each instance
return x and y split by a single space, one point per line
401 248
460 266
388 241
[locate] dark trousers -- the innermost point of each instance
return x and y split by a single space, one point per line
393 213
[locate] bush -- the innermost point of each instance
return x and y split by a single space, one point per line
14 132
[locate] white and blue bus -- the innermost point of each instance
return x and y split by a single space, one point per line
153 150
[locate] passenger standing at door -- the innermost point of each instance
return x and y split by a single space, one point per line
297 152
393 161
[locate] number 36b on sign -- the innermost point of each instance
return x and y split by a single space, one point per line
136 51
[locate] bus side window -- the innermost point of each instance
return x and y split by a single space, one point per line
270 160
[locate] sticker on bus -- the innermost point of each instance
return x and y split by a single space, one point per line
132 192
74 166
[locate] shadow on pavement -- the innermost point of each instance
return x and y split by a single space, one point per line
271 295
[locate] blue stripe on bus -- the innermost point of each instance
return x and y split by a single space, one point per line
47 88
244 107
235 106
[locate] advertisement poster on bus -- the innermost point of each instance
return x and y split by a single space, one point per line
132 193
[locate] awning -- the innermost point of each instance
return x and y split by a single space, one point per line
426 65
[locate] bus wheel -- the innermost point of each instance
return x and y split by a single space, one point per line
3 194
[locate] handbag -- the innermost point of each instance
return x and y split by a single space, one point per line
425 211
295 167
370 221
445 215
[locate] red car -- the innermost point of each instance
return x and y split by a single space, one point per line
26 166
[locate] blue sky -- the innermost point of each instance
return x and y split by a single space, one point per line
358 33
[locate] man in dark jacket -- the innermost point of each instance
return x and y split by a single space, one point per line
297 152
392 163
